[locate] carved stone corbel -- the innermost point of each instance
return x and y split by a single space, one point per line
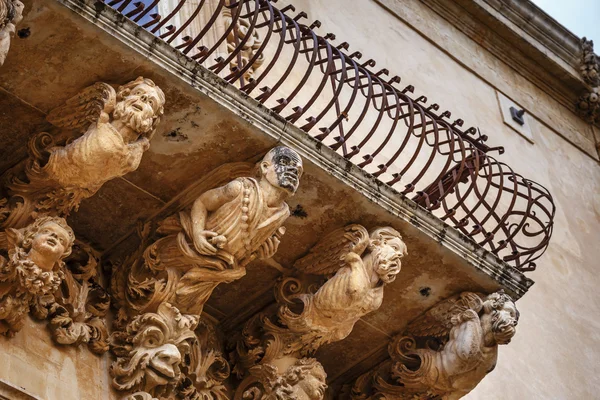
11 13
312 313
102 135
225 229
445 352
33 269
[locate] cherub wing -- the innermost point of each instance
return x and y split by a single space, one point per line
327 256
437 321
84 108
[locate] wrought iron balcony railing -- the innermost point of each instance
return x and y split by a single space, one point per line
362 114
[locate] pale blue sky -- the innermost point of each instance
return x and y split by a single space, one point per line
582 17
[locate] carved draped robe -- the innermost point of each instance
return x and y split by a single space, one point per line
98 156
246 222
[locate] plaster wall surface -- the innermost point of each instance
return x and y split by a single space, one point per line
556 350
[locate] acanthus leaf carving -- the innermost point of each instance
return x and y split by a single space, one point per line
77 314
445 352
151 350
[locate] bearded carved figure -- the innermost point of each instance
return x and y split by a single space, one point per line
33 270
150 351
111 130
305 379
212 243
11 13
446 352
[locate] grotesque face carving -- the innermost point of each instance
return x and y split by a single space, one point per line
282 168
501 317
152 349
139 105
388 249
51 243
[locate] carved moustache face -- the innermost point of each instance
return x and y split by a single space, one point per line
138 109
285 170
504 322
51 243
390 254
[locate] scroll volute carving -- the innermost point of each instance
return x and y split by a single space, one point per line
446 352
32 270
100 134
11 13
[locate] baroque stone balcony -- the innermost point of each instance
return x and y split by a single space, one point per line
240 78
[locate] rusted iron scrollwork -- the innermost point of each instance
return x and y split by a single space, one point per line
361 113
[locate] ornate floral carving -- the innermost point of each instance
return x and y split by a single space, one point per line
590 66
250 41
77 314
225 229
150 351
304 379
588 104
11 13
33 270
111 131
446 352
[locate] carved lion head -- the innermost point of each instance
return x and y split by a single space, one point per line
151 350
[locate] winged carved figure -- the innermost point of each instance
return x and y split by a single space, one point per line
362 263
102 135
445 352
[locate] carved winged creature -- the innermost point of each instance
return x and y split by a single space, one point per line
111 131
362 265
448 350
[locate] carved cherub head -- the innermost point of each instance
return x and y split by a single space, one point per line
282 168
140 104
308 378
500 318
151 350
388 248
37 252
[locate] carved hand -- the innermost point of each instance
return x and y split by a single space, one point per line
202 244
269 248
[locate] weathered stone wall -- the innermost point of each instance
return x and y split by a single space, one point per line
555 352
31 362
